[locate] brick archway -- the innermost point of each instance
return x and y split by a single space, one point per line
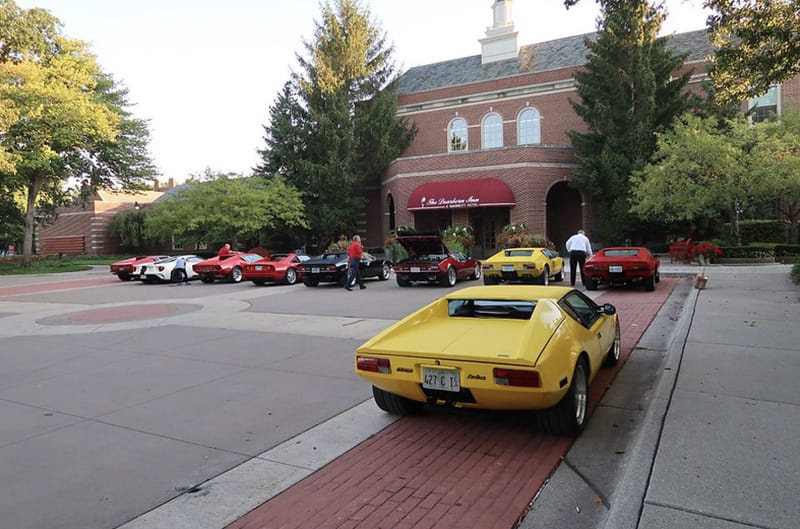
564 214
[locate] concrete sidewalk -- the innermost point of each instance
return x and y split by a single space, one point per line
719 445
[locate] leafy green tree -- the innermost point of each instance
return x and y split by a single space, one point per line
775 163
63 117
702 169
756 44
333 129
128 226
226 209
627 94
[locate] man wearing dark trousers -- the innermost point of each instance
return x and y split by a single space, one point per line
579 248
354 252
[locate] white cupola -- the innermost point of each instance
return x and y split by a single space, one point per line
501 39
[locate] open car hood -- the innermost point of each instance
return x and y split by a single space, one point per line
423 244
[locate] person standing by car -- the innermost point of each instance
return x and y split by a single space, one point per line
354 253
179 272
579 247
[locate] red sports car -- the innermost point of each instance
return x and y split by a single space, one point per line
277 268
625 265
225 267
429 261
125 269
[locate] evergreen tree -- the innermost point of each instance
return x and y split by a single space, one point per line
627 94
333 129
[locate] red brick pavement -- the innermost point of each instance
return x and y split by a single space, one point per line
444 469
50 286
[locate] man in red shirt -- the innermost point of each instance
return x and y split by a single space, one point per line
354 252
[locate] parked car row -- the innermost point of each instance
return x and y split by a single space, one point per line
429 261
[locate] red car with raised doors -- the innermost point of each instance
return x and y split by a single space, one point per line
227 267
430 261
624 265
126 269
277 268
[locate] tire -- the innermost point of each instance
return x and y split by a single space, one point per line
310 282
259 282
385 272
395 404
658 276
591 284
650 283
568 417
403 282
612 356
291 276
477 273
545 280
125 277
449 280
559 276
488 280
236 274
207 279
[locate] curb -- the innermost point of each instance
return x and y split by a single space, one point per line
633 485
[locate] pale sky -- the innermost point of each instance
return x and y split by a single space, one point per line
205 73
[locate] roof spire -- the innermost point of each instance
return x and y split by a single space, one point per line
501 39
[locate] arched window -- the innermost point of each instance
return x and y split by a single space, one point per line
529 127
457 135
391 213
492 131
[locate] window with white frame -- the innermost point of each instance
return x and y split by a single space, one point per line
457 135
765 105
529 127
492 131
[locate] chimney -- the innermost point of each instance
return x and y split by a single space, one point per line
156 185
171 183
501 39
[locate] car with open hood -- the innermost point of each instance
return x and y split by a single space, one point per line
623 265
161 270
430 261
226 267
516 347
331 267
523 265
127 269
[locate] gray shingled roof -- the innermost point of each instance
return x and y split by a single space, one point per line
552 55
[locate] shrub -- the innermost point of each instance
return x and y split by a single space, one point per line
796 274
340 245
708 249
518 236
787 250
459 239
750 252
774 231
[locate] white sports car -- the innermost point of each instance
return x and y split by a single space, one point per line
161 271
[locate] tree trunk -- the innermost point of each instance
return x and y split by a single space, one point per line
34 186
737 236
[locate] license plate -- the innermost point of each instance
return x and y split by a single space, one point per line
508 268
315 270
415 269
441 379
615 269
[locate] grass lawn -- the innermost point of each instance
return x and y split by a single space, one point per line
53 264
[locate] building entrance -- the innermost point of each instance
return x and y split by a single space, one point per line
564 214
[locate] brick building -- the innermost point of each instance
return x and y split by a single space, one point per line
492 146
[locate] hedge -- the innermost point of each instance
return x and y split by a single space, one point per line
787 250
774 231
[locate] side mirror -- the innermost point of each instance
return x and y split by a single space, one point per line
608 309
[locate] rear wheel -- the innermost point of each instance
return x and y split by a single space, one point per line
568 417
236 274
449 280
291 276
658 276
650 283
310 282
477 273
559 276
546 276
403 282
612 356
490 280
591 284
259 282
207 279
124 276
395 404
385 272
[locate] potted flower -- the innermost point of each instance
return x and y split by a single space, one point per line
707 251
518 236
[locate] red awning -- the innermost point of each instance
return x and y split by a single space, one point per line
478 193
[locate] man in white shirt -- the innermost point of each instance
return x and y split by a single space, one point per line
579 248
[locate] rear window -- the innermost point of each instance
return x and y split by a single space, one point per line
519 253
621 253
491 308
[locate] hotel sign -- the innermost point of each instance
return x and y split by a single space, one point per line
449 202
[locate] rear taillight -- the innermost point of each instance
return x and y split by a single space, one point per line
529 266
517 377
376 365
488 267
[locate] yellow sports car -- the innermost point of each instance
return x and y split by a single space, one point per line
496 347
527 265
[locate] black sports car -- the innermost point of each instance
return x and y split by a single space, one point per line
332 268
